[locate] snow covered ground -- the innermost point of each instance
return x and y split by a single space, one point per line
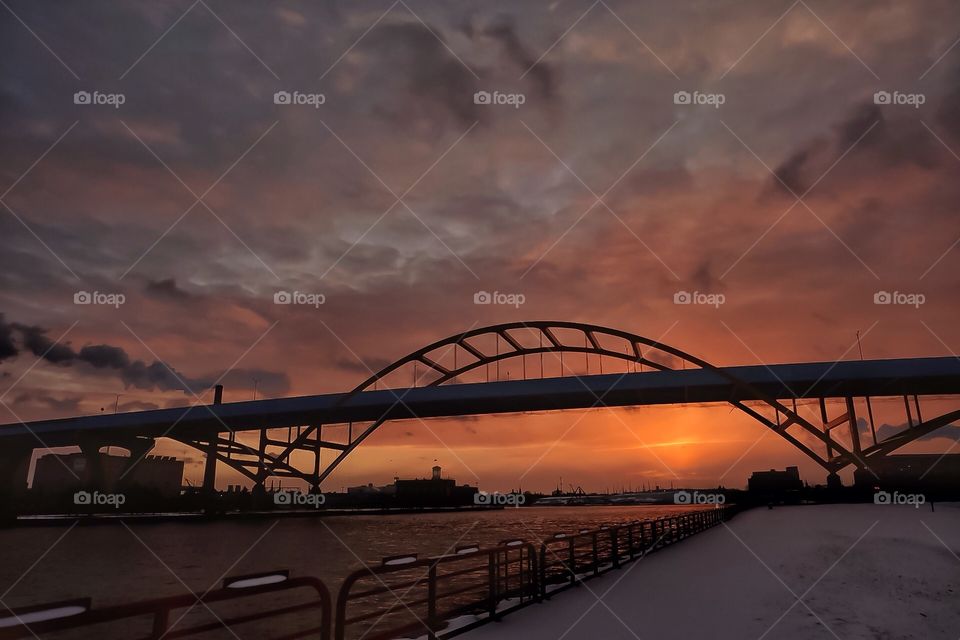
823 571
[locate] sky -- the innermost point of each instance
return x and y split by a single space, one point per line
782 164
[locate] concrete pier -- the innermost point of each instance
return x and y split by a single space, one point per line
805 572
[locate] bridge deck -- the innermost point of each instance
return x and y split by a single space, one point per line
921 376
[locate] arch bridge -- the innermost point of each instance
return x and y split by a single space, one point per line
308 437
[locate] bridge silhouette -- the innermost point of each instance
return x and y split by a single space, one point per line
656 374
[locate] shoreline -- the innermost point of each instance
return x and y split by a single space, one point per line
201 518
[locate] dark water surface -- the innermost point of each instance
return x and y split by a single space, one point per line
119 562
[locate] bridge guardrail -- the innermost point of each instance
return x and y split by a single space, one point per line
265 601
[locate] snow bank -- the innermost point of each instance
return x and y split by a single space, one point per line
861 571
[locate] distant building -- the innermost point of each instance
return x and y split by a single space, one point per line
927 471
775 482
435 491
57 473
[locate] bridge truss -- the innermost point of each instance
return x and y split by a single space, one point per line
447 361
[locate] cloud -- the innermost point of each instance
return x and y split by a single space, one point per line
134 373
542 74
364 368
886 430
166 288
36 341
63 406
7 348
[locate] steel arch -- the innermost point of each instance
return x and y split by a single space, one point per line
642 348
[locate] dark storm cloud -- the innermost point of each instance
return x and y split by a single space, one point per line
36 341
430 75
948 114
133 373
791 174
138 374
7 347
103 356
542 74
881 139
166 288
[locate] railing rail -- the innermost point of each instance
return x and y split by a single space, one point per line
408 595
313 610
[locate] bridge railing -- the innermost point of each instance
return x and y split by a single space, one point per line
266 605
405 595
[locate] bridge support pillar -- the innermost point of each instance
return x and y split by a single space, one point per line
833 480
14 465
210 475
209 490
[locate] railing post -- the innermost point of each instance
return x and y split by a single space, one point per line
160 619
432 602
534 572
542 570
596 554
615 547
573 561
492 579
